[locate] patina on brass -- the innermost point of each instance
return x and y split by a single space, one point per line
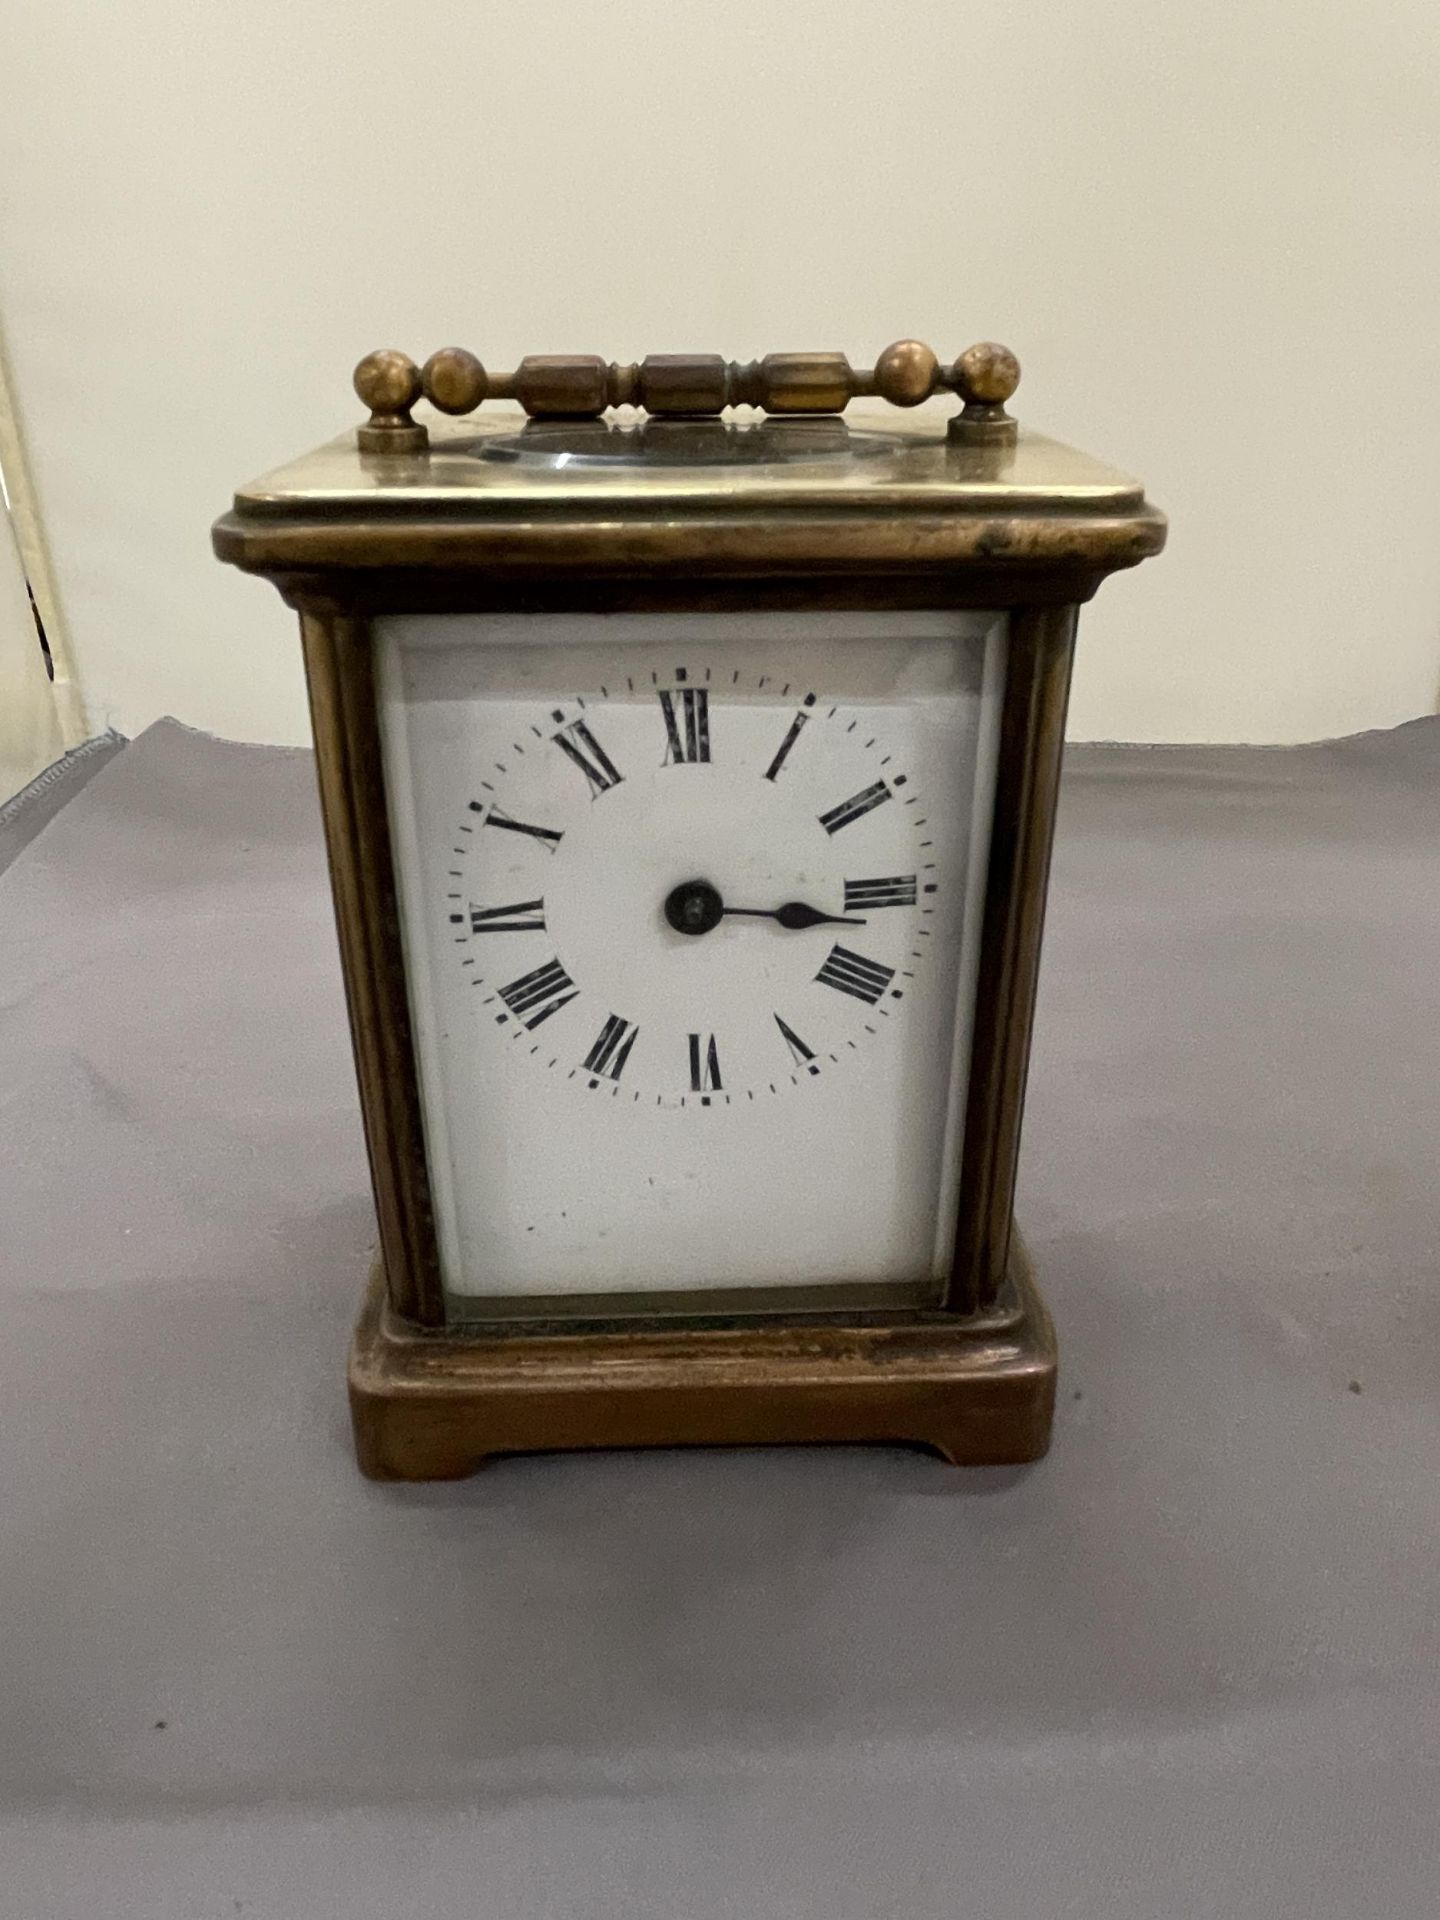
875 494
682 514
582 386
977 1388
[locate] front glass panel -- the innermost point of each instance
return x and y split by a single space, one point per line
691 908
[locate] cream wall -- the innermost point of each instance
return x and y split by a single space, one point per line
1212 234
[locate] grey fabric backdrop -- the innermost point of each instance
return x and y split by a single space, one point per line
1186 1666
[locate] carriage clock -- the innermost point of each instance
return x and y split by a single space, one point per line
688 781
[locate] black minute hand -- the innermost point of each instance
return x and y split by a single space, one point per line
795 916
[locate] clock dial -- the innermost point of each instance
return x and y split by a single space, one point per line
691 918
710 834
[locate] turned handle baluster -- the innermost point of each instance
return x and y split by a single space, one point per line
583 386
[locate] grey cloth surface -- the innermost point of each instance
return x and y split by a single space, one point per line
1185 1666
25 813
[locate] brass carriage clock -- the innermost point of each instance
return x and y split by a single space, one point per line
688 782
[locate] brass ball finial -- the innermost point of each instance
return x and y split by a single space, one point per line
905 373
986 374
388 382
454 380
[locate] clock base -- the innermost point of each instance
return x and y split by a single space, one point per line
978 1390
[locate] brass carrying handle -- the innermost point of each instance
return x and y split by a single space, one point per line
581 386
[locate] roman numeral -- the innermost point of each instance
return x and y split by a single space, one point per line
799 1052
704 1065
851 972
577 743
898 891
528 916
858 804
612 1048
687 732
535 996
547 836
796 727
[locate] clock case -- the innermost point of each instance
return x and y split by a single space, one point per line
670 515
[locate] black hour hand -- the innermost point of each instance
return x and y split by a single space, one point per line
696 907
795 916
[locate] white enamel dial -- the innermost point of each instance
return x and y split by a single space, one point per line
621 864
690 907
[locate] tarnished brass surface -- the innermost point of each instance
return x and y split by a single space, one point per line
1027 789
884 493
339 671
985 377
389 384
917 470
682 383
977 1389
560 384
905 373
583 386
454 380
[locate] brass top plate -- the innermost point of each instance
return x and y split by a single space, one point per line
503 467
682 501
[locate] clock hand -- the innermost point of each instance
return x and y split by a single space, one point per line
795 916
695 907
